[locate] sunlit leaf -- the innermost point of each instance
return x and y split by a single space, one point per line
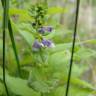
56 10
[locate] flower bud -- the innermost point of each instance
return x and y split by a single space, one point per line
45 29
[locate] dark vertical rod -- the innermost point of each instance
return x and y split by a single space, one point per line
14 47
73 47
5 23
4 74
13 42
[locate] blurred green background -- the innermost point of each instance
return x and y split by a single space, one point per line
61 15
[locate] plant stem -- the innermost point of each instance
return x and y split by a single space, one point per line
5 26
12 39
73 47
14 47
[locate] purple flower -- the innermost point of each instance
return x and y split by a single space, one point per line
44 43
49 28
48 43
45 29
36 45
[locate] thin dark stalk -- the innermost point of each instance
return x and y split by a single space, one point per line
13 42
73 47
4 74
14 47
5 23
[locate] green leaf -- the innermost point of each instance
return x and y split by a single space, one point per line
64 46
18 86
56 10
21 13
79 69
40 86
84 54
74 91
77 88
81 84
59 63
90 41
60 47
26 33
38 78
28 37
59 58
63 35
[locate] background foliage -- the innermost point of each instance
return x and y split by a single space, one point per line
49 78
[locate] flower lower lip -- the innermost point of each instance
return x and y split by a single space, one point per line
47 43
36 44
44 43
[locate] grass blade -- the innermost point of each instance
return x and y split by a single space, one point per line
12 39
14 46
5 27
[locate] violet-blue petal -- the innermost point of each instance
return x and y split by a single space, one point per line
36 44
49 28
45 29
47 43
